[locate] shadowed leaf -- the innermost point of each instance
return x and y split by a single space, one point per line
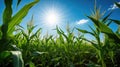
18 2
116 21
118 5
17 59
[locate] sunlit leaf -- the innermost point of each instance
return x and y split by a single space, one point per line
7 14
84 31
17 18
17 59
105 29
32 64
39 53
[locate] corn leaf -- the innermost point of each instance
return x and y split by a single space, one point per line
105 29
32 64
94 44
17 18
117 4
116 21
36 33
36 53
25 35
17 59
106 17
7 14
6 17
118 30
18 2
109 23
94 31
58 31
84 31
4 55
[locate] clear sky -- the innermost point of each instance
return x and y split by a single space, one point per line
65 11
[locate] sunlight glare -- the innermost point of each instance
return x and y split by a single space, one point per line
52 17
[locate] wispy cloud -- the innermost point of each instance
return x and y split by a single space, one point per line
112 7
82 21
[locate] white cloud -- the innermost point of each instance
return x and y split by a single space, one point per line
82 21
112 7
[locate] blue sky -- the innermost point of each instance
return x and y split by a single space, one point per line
69 11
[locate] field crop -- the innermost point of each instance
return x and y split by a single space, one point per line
31 49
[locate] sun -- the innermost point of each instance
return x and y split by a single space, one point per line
52 17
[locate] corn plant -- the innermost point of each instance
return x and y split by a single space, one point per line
30 49
7 29
111 39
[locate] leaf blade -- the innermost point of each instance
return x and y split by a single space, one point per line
17 18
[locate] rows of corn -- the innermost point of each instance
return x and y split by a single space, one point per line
21 48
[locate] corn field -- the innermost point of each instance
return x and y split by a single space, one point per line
21 48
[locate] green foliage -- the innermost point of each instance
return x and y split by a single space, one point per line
7 28
26 48
17 57
17 18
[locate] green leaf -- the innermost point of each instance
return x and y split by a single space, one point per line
30 29
25 35
111 54
7 14
106 17
36 53
36 33
117 4
56 59
18 2
30 26
118 30
109 23
58 31
6 17
84 31
50 37
32 64
4 29
116 21
17 18
94 44
4 55
17 59
105 29
94 31
65 36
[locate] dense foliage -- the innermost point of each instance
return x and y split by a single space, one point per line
30 49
